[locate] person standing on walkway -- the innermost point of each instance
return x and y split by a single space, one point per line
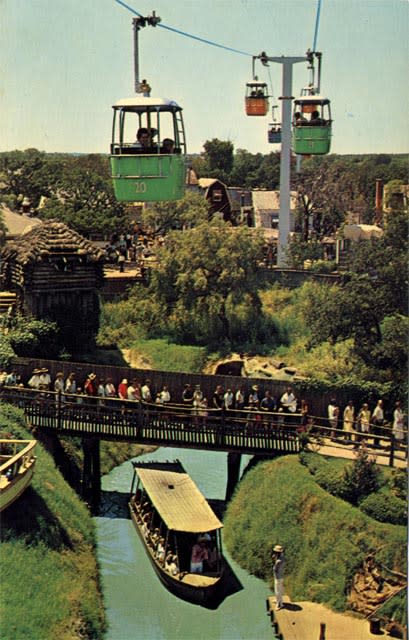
349 418
278 572
333 413
364 420
398 424
378 419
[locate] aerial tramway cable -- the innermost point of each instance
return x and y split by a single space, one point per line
317 22
188 35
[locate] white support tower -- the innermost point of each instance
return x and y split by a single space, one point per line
287 98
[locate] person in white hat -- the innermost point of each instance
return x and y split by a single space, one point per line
278 572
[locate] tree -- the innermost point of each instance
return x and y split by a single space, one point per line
362 478
84 200
219 158
300 250
206 278
188 212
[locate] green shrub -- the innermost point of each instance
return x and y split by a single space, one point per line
361 478
385 508
35 338
323 266
399 484
6 352
333 481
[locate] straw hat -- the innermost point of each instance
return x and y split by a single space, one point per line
278 548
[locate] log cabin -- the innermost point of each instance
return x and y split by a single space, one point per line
56 274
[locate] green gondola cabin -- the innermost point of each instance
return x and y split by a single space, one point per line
312 125
148 150
256 100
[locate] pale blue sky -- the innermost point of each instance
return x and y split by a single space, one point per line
65 62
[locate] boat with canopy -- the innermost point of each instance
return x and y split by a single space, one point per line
179 530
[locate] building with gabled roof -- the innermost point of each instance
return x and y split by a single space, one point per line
266 206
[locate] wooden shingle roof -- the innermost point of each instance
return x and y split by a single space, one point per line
51 239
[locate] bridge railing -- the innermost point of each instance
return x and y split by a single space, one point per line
252 430
379 438
177 425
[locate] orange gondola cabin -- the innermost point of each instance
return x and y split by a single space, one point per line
256 100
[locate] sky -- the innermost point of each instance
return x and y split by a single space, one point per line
63 63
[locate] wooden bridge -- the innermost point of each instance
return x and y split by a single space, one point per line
250 431
92 419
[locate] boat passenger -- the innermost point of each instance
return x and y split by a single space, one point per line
160 550
155 537
174 567
199 554
146 522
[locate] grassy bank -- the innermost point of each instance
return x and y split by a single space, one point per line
326 539
50 586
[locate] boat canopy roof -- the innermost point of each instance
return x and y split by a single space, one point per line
143 104
178 501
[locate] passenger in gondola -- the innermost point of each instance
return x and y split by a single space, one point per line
168 146
143 139
316 121
299 119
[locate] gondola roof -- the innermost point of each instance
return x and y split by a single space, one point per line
142 104
312 99
178 501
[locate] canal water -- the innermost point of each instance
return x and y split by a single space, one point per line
138 606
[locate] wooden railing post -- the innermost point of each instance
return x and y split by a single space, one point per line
392 450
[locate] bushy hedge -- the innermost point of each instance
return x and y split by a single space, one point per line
351 481
35 338
385 508
6 352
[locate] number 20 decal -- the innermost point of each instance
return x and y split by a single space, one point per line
140 187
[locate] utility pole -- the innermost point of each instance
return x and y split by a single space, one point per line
138 23
287 98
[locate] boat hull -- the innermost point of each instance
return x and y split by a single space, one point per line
185 586
17 487
22 464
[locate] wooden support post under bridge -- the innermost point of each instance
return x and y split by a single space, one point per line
233 473
91 473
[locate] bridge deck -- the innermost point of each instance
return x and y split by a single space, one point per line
163 428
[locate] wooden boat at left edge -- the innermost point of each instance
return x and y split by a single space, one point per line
17 462
166 505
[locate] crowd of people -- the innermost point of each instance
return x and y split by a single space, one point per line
348 422
134 246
